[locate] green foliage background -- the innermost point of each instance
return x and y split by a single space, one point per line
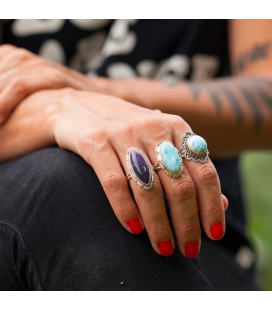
256 168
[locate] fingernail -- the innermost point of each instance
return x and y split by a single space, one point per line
166 248
192 249
217 231
135 226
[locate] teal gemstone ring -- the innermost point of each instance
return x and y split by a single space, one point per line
194 147
169 159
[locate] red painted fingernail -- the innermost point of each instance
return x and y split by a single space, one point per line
217 231
135 226
166 248
192 249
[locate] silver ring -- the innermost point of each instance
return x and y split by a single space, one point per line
140 168
194 147
169 159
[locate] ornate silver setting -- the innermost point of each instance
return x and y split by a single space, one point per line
189 154
162 165
140 169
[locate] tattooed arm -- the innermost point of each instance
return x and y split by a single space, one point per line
233 114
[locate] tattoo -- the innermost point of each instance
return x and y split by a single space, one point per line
234 104
255 91
195 89
216 99
257 52
266 99
253 105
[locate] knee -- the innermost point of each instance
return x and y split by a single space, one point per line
49 185
57 169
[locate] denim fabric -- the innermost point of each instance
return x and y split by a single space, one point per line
58 232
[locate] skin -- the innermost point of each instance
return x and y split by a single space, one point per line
75 121
234 108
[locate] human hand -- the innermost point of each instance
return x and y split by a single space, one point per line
22 73
101 129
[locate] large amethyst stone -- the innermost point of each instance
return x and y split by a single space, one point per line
140 166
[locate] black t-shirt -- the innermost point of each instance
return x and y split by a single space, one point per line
165 50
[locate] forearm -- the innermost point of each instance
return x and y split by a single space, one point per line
233 114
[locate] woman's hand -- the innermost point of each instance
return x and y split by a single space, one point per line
22 73
101 129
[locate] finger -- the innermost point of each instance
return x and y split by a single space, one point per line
225 202
205 177
5 50
209 197
116 188
181 195
152 207
20 87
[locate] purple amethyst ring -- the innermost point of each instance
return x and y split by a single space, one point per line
140 168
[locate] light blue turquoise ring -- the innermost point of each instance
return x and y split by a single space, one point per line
169 159
194 147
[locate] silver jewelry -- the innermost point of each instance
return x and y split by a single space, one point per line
194 147
140 168
169 159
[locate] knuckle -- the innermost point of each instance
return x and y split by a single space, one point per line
214 211
184 187
178 122
150 122
207 174
58 77
145 194
157 112
98 136
22 54
18 85
7 48
189 229
96 139
156 230
122 211
113 181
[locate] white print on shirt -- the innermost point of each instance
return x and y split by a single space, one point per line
121 70
88 52
204 66
119 41
27 27
52 50
92 51
89 24
170 71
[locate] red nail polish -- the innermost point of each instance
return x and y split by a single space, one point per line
135 226
217 231
192 249
166 248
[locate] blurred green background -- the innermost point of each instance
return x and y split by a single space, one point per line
256 168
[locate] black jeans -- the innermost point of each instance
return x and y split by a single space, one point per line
58 232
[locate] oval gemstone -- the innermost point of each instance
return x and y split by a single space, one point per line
197 144
170 156
139 165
